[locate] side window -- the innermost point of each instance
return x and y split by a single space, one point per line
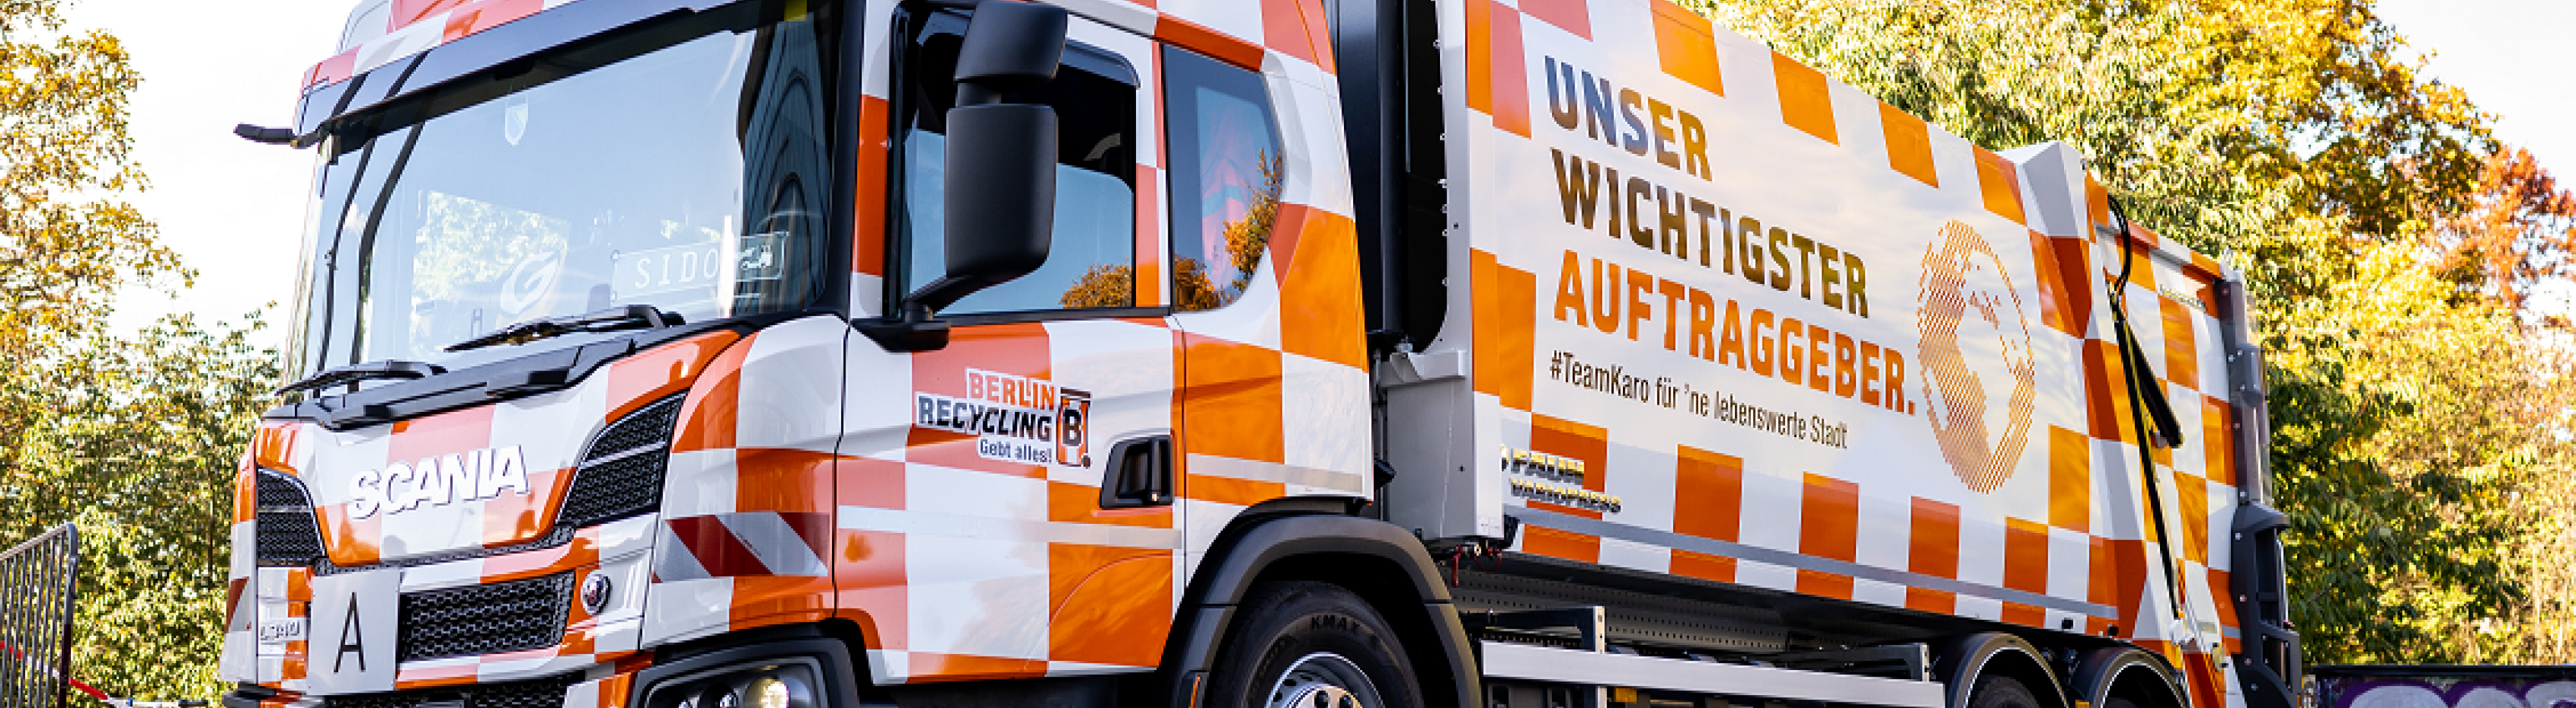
1091 262
1225 172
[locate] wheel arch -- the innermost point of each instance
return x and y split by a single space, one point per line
2102 674
1964 660
1385 565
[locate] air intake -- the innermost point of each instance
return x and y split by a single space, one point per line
621 473
285 531
540 693
484 619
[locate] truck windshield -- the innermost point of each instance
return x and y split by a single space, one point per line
685 175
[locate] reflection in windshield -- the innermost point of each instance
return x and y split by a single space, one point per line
677 177
474 261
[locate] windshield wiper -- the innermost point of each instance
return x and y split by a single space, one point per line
387 369
608 320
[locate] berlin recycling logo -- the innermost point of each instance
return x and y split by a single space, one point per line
1975 357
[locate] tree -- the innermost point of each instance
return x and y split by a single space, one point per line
1246 236
133 439
137 442
2518 230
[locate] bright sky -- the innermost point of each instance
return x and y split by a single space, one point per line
235 209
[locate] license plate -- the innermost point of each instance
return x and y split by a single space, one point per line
349 645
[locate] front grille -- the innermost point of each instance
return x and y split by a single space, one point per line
285 532
484 619
540 693
621 473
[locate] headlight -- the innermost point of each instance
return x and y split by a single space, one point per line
769 692
789 685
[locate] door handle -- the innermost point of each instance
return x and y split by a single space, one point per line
1139 474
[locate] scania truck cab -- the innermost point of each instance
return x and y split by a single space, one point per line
830 353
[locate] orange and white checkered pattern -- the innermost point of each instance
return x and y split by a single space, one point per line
2061 541
548 429
381 31
799 487
962 568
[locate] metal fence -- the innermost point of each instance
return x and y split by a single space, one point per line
37 581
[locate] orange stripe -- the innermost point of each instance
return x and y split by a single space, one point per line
485 15
780 479
1510 85
1909 144
868 226
1230 399
332 70
2182 346
2106 389
1940 601
707 416
779 599
2097 204
1296 28
1569 15
1216 45
1703 566
1016 349
1080 503
1480 62
2192 503
1319 293
2054 300
1708 495
1686 46
2025 555
1806 101
1541 540
1591 444
442 434
1149 237
1934 542
871 589
2025 615
1228 490
1110 605
2217 440
1997 179
1503 324
512 519
644 378
1823 584
2070 479
1829 518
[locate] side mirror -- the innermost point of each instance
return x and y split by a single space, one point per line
1000 183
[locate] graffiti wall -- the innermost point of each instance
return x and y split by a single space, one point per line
2438 687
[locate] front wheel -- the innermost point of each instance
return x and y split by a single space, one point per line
1311 645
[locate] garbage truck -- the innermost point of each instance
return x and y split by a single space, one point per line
1378 353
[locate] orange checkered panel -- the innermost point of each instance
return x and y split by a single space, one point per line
1798 339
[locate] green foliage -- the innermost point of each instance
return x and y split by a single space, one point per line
136 441
134 438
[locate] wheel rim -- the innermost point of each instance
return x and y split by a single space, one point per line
1323 680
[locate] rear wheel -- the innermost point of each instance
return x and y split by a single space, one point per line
1311 645
1995 691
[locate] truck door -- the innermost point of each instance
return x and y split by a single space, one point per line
1264 286
976 539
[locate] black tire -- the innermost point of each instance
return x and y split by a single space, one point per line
1300 625
1995 691
2119 702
